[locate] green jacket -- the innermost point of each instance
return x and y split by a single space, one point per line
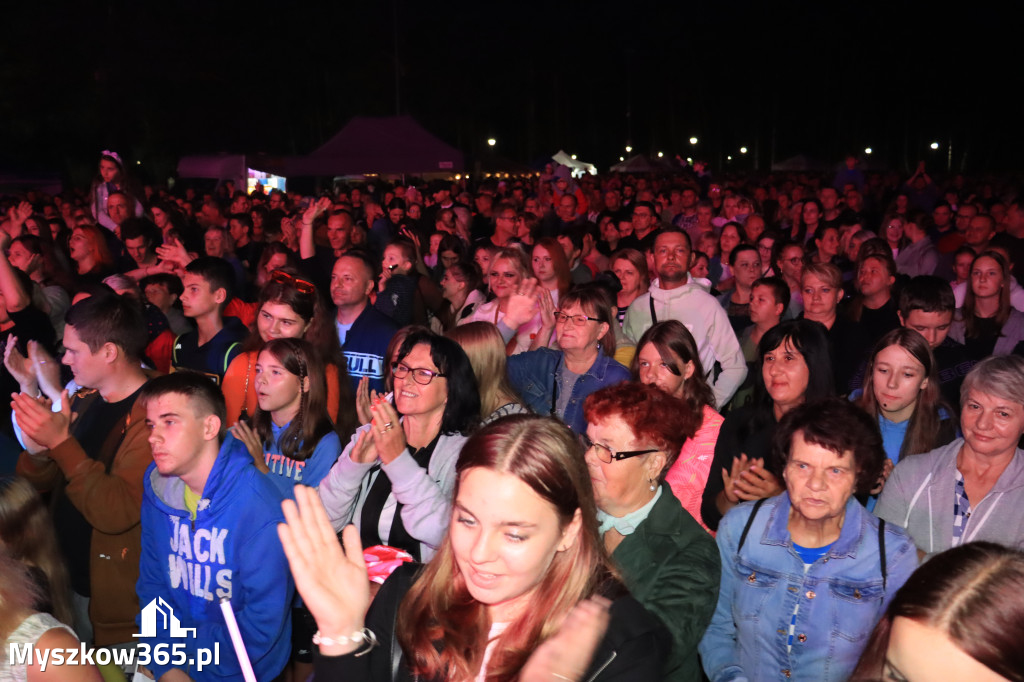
672 566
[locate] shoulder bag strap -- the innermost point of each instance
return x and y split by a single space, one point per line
881 552
750 522
654 315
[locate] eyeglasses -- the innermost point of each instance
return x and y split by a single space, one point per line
578 320
421 376
303 285
607 455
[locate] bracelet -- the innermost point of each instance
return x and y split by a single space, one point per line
362 636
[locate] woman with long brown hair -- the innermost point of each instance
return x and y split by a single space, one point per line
901 390
550 267
987 324
519 588
289 306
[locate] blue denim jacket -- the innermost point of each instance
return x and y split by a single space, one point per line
841 596
533 376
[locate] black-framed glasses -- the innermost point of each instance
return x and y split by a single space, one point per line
420 375
607 455
578 320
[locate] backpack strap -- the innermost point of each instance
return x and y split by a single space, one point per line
881 551
750 522
654 315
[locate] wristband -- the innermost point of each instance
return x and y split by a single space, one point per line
363 636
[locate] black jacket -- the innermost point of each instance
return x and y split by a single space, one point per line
634 648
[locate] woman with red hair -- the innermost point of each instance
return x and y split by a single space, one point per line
670 564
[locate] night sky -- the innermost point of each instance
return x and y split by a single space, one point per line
159 80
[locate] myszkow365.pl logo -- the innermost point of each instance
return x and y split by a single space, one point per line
170 654
127 658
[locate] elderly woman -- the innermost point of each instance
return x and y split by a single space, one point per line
394 479
556 382
807 574
973 488
634 432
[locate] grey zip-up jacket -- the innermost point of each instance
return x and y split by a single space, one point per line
920 494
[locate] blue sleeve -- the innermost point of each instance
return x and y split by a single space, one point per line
718 650
320 462
153 580
261 594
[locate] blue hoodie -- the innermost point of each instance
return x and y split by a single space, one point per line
230 550
286 472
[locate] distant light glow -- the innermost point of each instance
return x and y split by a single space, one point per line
458 176
728 158
491 142
868 150
573 157
622 158
689 160
743 150
934 145
138 163
661 154
693 140
628 149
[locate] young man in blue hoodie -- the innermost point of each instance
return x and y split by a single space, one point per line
209 532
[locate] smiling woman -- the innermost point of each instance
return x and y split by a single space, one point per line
395 477
521 587
983 471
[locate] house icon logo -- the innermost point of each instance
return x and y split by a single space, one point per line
158 608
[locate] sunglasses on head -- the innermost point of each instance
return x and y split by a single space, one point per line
303 285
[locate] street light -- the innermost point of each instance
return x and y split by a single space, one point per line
491 142
693 140
743 150
622 158
728 158
934 145
628 149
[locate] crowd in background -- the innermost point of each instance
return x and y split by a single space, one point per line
823 374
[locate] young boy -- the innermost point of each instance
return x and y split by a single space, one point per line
208 286
209 532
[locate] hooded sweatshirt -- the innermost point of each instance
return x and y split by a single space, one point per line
920 495
231 550
706 320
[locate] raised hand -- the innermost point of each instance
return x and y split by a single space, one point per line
46 428
363 399
887 468
757 482
243 432
523 305
729 478
387 433
20 367
566 655
334 585
47 370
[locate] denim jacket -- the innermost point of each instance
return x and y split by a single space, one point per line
533 376
841 596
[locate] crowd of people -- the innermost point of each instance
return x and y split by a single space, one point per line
674 427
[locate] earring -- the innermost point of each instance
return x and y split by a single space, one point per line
653 487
